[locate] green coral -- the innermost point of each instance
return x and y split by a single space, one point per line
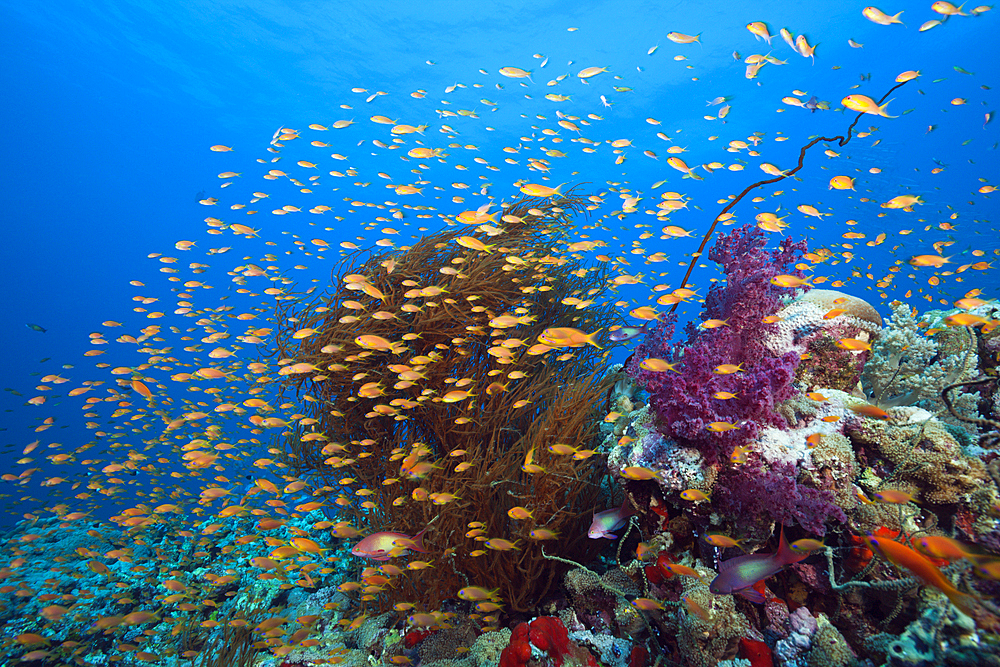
924 455
486 650
829 648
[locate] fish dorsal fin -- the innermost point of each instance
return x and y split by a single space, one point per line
726 565
785 554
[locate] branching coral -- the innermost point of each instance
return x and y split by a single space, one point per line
910 368
452 424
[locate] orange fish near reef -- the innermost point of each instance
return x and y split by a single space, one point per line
385 545
567 337
922 568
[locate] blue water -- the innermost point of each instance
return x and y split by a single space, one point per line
111 109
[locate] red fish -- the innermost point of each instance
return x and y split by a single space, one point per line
385 545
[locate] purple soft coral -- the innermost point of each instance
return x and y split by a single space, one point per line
684 401
773 491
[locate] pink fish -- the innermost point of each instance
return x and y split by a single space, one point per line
380 546
608 520
738 575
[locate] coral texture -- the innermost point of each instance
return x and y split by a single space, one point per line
689 412
926 454
908 367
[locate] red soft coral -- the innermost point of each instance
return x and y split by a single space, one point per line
518 651
549 634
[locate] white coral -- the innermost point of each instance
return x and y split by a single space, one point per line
908 365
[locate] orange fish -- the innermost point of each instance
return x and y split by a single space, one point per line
921 567
868 410
894 496
647 604
719 427
853 344
681 569
694 495
939 546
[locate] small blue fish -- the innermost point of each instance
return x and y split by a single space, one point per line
35 327
628 333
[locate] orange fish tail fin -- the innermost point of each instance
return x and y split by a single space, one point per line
965 602
592 337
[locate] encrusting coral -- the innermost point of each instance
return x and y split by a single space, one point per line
925 457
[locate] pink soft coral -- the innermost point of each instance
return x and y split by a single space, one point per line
684 401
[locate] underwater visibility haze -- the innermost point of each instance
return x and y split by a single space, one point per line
500 334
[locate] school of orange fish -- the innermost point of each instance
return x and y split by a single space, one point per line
178 405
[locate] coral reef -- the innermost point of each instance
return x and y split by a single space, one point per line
804 326
908 367
925 458
463 457
704 642
939 636
690 416
683 401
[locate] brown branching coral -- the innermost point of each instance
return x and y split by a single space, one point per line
443 415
